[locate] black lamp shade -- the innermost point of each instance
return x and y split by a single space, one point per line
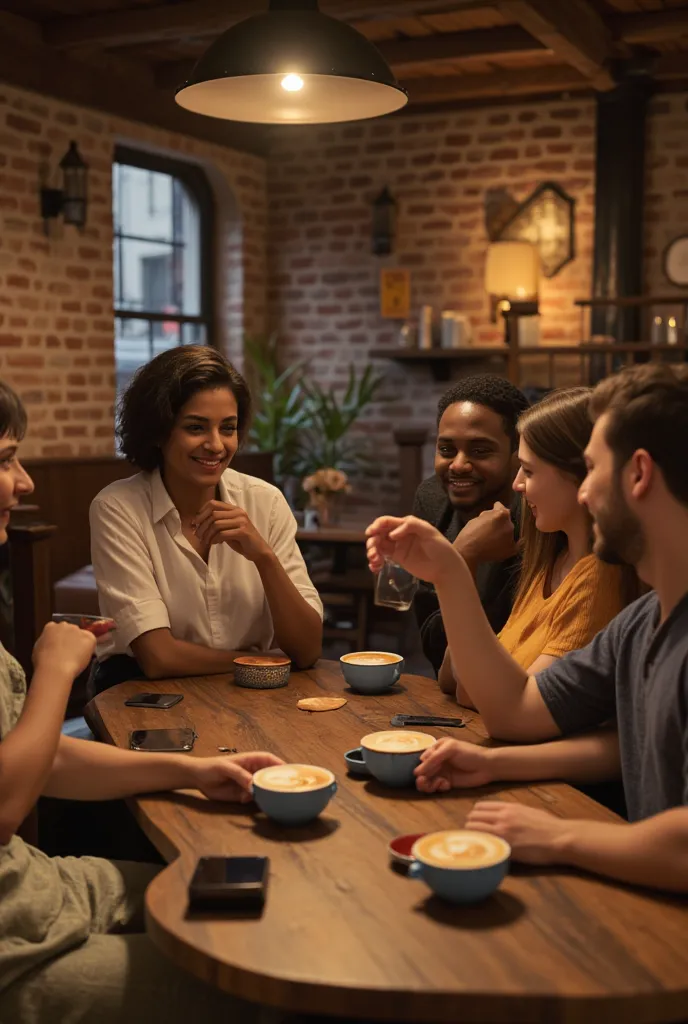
74 189
241 77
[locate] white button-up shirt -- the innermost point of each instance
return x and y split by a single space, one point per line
149 576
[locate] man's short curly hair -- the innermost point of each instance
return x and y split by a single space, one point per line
495 393
160 389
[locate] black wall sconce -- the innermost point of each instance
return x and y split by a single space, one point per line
71 200
384 223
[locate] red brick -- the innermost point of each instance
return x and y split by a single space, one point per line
547 131
77 273
23 124
17 281
10 341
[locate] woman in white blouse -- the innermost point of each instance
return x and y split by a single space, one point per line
194 561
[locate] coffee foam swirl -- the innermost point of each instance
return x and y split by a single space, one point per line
371 658
461 849
293 778
399 741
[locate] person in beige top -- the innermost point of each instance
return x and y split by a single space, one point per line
193 560
73 949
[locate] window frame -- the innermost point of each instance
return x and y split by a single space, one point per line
195 180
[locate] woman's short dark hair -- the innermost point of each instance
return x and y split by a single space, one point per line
12 414
160 389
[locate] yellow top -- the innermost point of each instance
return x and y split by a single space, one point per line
583 603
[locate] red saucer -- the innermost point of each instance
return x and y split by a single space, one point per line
401 846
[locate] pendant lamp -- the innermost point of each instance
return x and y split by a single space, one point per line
292 65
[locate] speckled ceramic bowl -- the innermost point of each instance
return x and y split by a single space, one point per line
262 671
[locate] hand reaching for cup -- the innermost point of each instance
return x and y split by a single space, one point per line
454 764
411 543
488 537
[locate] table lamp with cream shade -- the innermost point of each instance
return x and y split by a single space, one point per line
512 274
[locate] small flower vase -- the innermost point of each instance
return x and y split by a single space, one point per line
328 510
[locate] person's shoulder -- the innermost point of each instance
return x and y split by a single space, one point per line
630 619
124 492
430 501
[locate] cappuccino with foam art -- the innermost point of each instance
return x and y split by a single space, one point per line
397 741
461 849
371 658
293 794
293 778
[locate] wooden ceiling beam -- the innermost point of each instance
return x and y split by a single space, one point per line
110 85
199 18
403 54
654 27
573 30
501 84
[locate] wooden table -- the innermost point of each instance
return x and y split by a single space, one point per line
345 934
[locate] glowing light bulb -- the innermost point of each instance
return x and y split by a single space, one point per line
292 83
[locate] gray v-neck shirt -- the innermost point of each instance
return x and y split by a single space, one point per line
637 672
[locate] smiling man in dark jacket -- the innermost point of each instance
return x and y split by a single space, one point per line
470 498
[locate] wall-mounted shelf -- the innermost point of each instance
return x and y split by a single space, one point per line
440 360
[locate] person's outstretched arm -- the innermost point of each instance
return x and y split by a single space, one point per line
505 695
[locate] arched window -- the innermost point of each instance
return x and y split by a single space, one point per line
163 254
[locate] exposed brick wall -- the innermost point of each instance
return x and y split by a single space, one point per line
324 280
56 324
666 177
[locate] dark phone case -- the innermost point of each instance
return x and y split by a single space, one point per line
134 702
222 896
183 749
440 723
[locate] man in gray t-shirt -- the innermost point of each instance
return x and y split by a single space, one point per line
618 708
637 671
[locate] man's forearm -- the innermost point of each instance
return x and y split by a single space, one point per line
162 656
298 628
653 852
84 770
593 757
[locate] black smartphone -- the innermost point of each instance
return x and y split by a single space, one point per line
162 740
234 882
440 723
154 700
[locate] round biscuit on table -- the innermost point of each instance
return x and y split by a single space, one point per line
321 703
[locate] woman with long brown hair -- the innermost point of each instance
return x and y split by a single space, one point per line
565 595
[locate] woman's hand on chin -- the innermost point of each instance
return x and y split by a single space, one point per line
412 543
221 523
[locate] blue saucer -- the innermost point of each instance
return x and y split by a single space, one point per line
355 763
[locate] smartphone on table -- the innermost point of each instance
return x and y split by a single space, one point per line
438 722
163 740
154 700
95 624
229 882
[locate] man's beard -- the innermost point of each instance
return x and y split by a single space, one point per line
620 539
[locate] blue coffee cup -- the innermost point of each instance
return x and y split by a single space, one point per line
293 794
371 671
461 866
392 756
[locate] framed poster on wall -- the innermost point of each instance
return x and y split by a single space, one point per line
395 294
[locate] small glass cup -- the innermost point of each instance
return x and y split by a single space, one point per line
395 587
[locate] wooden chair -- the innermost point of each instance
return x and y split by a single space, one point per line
347 595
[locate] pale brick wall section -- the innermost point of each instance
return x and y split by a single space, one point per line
323 285
56 325
666 184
